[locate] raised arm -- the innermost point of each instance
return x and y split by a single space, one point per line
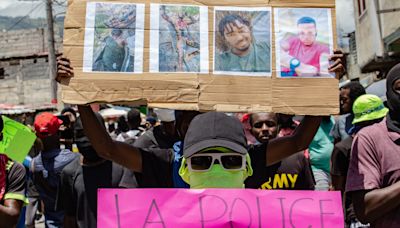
118 152
280 148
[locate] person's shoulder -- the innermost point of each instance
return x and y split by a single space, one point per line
69 155
299 156
323 47
372 131
295 162
16 172
224 55
13 166
72 167
251 148
342 118
293 40
36 157
146 139
262 45
257 149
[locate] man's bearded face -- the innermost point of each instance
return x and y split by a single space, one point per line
238 36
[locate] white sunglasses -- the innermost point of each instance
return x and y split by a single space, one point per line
203 162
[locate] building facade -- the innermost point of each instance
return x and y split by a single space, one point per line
377 35
24 68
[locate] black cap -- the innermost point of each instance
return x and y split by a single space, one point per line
214 129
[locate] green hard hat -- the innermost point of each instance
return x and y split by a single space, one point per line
368 107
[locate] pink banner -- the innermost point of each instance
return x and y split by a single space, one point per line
122 208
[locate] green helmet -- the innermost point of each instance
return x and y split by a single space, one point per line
368 107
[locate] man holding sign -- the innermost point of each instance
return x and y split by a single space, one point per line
215 147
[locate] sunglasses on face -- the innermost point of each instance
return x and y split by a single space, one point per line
229 161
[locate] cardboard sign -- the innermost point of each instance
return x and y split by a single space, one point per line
231 56
218 208
17 139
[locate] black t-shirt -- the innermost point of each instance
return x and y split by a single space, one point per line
156 168
340 159
79 184
15 182
157 155
292 173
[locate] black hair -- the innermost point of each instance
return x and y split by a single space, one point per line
69 109
251 119
122 125
134 118
231 19
356 90
306 20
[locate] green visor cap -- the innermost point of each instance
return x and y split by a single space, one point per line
368 107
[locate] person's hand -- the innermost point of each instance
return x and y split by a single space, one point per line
285 59
64 69
339 63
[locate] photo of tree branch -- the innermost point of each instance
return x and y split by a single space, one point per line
179 39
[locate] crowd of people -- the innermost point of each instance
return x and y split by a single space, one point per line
355 153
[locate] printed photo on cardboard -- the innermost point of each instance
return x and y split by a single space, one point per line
304 41
178 38
242 41
114 37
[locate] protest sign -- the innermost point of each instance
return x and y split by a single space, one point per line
17 139
232 56
218 208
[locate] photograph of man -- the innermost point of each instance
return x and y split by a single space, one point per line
304 42
242 41
110 46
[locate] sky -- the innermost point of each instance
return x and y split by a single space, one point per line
37 9
346 18
16 8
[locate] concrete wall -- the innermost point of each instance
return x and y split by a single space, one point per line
368 25
390 21
25 42
26 78
367 33
25 82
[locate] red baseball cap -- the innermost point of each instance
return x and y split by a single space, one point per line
46 124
